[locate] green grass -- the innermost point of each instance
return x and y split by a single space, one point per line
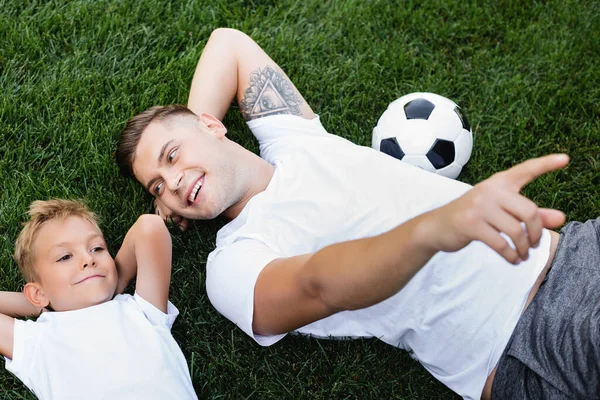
527 75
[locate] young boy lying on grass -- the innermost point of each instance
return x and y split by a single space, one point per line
91 342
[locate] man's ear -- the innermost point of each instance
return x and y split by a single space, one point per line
214 124
35 295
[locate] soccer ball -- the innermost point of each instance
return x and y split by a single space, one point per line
426 130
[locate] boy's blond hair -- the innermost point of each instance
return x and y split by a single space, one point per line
40 213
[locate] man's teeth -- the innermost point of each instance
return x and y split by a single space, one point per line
195 191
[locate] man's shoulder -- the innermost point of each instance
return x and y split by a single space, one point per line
239 251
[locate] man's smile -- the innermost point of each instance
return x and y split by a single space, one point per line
194 191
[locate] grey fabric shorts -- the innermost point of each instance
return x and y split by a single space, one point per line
554 352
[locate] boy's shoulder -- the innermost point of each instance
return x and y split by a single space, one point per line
124 310
103 309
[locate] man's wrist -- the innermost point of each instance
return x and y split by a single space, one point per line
426 232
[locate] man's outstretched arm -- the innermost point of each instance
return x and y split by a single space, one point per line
292 292
232 66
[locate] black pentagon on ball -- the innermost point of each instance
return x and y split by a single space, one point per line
391 147
418 109
441 153
463 119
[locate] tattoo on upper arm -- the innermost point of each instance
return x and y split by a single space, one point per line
269 93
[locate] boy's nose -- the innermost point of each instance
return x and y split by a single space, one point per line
88 261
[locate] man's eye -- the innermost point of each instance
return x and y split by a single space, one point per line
64 258
171 156
157 189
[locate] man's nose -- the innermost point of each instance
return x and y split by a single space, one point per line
174 181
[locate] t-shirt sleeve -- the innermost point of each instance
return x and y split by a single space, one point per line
156 316
26 335
278 128
231 274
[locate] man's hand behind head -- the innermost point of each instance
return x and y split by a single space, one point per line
160 209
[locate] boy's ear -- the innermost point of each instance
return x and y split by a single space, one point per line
214 124
35 295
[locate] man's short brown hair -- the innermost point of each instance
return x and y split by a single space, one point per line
130 137
40 213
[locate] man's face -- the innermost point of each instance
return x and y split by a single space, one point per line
74 267
183 161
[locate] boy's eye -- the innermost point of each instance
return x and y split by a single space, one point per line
171 155
64 258
97 249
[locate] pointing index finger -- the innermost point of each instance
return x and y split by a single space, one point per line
525 172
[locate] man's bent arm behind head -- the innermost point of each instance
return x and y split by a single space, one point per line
225 71
232 66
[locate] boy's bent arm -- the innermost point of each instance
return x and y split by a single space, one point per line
14 304
292 292
146 251
7 329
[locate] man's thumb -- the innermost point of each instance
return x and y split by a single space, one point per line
551 218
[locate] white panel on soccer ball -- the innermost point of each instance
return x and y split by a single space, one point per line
463 146
450 171
419 161
397 106
416 137
376 140
386 126
389 123
446 124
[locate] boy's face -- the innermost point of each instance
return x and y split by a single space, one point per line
74 267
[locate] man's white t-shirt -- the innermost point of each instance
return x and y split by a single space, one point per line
121 349
455 316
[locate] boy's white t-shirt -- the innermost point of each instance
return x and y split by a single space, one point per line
121 349
455 316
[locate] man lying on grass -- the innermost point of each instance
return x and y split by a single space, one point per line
459 276
92 342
